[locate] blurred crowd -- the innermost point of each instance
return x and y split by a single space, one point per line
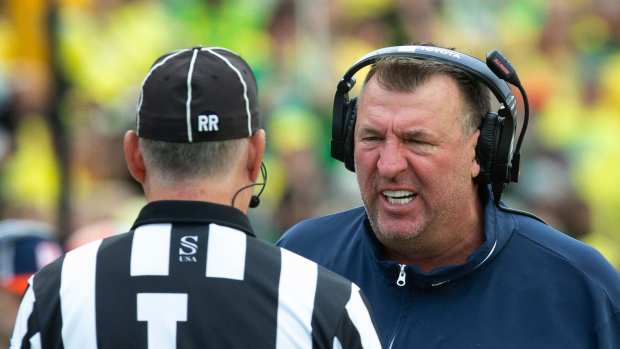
70 73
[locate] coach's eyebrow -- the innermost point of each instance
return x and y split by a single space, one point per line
417 134
368 130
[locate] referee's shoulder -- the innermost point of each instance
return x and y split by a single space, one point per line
333 281
53 270
49 274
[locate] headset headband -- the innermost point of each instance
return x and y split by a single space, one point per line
470 64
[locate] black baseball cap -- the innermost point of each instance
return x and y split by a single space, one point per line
198 94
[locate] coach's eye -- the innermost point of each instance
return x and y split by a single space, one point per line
415 141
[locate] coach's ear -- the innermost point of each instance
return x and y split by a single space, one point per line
256 153
133 156
471 146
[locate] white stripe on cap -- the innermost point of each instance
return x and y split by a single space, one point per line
245 87
159 64
298 279
223 49
77 297
358 313
188 104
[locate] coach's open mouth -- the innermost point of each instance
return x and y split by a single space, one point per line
399 197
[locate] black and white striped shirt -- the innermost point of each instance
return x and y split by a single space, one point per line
190 275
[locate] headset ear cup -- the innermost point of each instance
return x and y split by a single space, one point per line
486 147
349 139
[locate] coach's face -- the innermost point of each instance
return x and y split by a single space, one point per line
414 160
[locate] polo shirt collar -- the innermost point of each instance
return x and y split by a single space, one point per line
498 227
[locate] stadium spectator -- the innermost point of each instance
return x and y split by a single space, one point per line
25 247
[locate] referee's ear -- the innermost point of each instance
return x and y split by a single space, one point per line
255 154
133 156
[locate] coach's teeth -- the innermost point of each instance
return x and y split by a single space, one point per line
397 194
399 197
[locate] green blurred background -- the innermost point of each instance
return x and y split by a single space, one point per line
70 72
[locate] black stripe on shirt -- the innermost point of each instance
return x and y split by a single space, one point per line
46 287
115 296
262 275
332 292
189 277
228 313
347 333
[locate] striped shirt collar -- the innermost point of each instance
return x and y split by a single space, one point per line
173 211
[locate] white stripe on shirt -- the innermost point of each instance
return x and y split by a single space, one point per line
35 341
77 297
21 322
336 344
150 250
358 313
226 252
298 280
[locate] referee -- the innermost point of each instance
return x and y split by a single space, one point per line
190 273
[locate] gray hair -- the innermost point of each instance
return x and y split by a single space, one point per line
404 74
181 161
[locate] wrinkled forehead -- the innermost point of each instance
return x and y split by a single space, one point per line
436 103
439 89
471 104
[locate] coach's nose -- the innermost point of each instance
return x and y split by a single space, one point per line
391 160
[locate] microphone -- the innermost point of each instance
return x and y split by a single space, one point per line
255 199
500 65
504 70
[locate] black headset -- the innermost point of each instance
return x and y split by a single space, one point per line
499 160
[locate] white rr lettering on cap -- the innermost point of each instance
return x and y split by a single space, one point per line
213 120
208 123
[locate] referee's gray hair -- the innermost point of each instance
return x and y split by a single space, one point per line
181 161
